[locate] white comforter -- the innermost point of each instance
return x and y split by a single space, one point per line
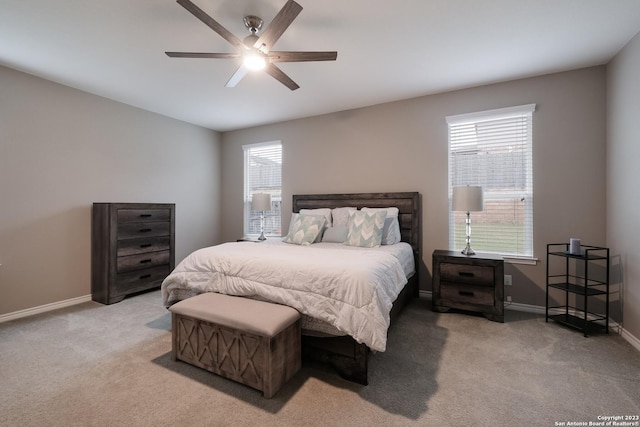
353 290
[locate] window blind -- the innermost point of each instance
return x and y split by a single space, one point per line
263 174
493 149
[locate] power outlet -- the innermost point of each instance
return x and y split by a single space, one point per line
508 280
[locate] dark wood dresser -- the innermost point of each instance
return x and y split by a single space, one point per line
473 283
132 248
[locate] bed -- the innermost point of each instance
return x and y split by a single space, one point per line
348 295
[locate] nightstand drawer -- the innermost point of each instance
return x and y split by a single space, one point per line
133 230
467 274
142 261
453 294
143 215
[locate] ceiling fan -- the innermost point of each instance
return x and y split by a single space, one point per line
255 50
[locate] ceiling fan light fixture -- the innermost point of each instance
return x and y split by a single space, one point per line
252 58
254 61
255 51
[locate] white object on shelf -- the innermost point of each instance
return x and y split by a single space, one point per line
574 246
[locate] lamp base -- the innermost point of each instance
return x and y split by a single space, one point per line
468 251
261 238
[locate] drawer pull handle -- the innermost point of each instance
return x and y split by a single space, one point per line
465 293
465 274
145 215
145 261
144 230
146 276
145 245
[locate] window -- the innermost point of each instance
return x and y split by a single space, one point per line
263 174
493 149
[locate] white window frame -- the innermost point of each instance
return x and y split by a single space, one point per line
273 221
456 125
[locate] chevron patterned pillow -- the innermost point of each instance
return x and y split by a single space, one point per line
326 213
304 229
365 229
391 232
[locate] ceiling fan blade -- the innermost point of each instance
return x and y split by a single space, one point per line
279 75
237 76
202 55
211 23
278 56
280 23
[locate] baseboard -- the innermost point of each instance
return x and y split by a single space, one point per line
424 294
630 338
614 326
43 308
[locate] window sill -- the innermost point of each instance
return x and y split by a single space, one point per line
520 260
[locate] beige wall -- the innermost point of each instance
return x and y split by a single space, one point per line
623 194
402 146
62 149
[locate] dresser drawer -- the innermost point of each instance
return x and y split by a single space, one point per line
458 294
143 245
142 261
132 230
467 274
141 279
143 215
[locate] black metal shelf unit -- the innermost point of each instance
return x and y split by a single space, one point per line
582 284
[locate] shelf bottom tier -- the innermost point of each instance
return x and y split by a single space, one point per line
578 323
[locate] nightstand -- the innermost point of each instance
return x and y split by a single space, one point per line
473 283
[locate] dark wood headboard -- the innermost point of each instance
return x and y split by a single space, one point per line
408 203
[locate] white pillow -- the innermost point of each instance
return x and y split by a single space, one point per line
326 213
365 229
304 229
340 216
391 233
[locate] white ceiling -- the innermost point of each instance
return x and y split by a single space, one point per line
387 50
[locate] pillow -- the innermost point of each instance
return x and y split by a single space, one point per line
304 229
340 216
326 212
365 229
391 232
293 220
336 234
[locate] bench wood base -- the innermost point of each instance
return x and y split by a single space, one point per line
264 363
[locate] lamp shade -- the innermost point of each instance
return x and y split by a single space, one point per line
467 199
261 202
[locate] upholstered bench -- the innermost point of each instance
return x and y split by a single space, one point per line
253 342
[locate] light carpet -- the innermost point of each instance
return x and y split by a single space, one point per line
95 365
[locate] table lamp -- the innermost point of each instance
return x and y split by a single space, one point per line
261 202
468 199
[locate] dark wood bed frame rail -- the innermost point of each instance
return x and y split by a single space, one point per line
348 357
